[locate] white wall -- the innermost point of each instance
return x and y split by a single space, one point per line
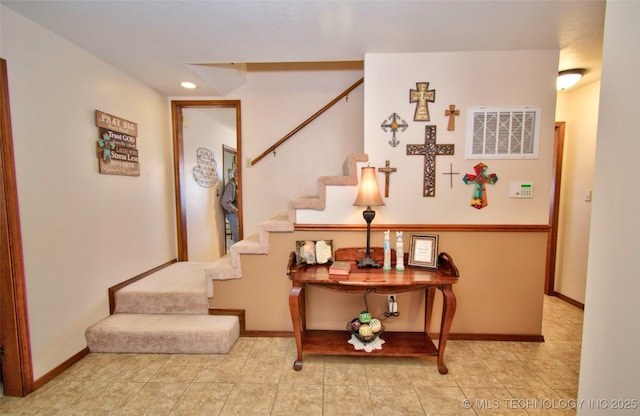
82 231
609 364
513 78
579 110
274 102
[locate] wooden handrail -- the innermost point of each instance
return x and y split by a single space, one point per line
307 121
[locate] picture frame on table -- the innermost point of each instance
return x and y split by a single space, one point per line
314 251
423 251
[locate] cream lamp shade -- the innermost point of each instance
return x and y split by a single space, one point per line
368 196
368 193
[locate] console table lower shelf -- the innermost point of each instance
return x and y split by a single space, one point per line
396 344
377 281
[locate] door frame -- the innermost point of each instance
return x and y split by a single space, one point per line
554 210
17 372
179 168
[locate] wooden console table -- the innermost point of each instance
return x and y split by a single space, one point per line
371 280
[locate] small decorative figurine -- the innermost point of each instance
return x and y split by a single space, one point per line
387 251
399 251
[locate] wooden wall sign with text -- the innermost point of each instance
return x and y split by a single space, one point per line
116 147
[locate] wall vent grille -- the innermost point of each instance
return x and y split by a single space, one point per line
503 133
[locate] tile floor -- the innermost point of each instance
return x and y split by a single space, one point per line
256 378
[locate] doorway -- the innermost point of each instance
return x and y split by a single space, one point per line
202 130
229 162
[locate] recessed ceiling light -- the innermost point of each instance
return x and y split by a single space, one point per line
187 84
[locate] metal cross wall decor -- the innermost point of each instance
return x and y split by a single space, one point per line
451 173
394 122
430 150
421 95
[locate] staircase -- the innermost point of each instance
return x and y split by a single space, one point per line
168 311
229 266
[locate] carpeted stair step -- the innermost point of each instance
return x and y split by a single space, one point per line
164 334
180 288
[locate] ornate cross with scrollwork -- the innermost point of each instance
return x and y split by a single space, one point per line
430 150
394 122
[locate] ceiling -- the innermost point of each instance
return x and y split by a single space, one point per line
163 42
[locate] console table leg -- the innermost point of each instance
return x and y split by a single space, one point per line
295 297
448 310
428 309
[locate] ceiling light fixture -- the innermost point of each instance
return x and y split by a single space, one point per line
188 85
569 78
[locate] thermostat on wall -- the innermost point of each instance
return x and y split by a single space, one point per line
521 190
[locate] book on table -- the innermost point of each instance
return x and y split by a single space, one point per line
340 267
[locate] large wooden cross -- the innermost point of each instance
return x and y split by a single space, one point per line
387 170
430 150
479 180
421 95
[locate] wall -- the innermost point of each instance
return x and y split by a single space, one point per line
502 274
491 300
510 78
609 365
578 108
82 231
278 98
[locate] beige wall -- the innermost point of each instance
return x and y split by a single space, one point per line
492 78
609 365
277 99
82 232
579 110
499 292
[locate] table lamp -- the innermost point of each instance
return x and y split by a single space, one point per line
368 196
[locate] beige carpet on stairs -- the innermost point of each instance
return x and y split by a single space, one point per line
165 312
164 334
178 288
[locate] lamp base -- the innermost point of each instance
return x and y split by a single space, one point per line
367 262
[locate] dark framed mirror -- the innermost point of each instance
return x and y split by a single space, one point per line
203 132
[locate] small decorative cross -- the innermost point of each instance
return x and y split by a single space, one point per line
394 125
387 170
452 112
107 145
479 180
422 95
451 173
430 150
